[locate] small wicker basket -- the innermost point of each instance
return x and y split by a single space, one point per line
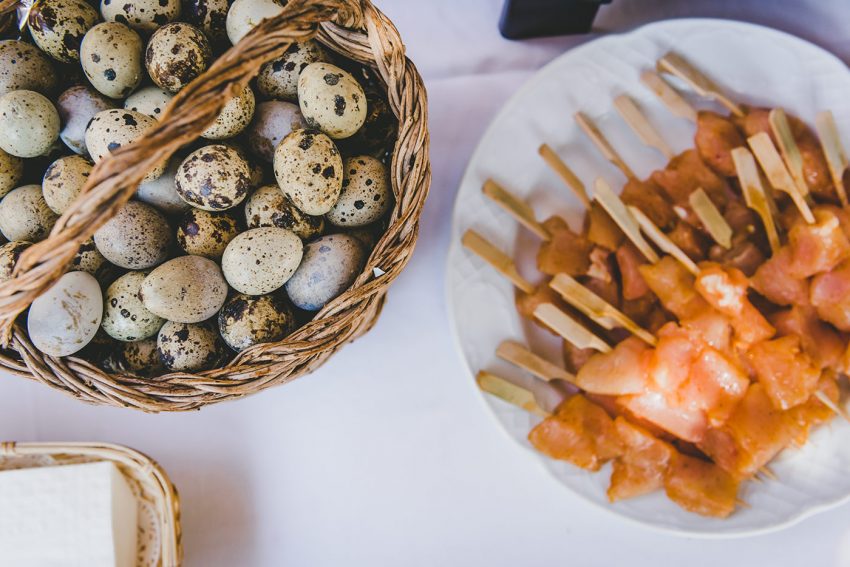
159 505
352 28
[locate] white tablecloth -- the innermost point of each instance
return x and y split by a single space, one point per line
387 456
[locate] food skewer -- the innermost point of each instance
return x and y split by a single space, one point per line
663 242
640 125
605 148
500 261
520 356
612 204
754 193
836 158
777 173
565 173
509 392
668 96
568 328
788 146
677 66
711 218
517 208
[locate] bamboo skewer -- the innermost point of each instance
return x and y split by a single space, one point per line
516 207
788 147
500 261
754 193
615 208
565 173
668 96
569 328
518 355
640 125
836 158
711 218
509 392
663 241
605 148
701 84
777 173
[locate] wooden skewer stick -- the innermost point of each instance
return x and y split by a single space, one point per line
641 126
788 146
663 241
615 208
668 96
518 355
836 158
711 218
605 148
516 207
824 399
599 310
569 328
754 193
564 172
777 173
702 85
500 261
509 392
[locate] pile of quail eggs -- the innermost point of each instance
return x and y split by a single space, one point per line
239 238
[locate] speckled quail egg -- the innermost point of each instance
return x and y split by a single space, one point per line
136 238
278 79
24 67
331 100
162 191
244 15
24 215
234 117
308 169
261 260
366 194
141 357
258 172
206 234
176 54
141 15
185 347
111 55
58 27
89 259
368 235
63 181
29 124
214 178
9 254
77 106
11 172
187 289
331 264
150 101
246 320
268 206
273 121
124 315
67 316
210 16
111 129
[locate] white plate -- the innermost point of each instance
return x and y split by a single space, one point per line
755 65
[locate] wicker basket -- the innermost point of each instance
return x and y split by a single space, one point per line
353 28
159 505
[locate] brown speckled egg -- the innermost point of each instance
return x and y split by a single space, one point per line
308 168
261 260
162 191
11 172
124 315
244 15
187 347
331 100
206 234
9 254
246 320
24 215
234 117
77 106
330 265
366 194
268 206
141 357
111 129
150 101
273 121
24 67
29 124
137 237
141 15
111 56
58 27
214 178
187 289
63 181
176 54
278 79
88 259
210 16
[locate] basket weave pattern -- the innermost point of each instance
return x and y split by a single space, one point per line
353 28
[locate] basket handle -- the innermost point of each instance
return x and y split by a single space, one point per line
114 180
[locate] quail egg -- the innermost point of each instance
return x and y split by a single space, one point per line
331 264
273 121
124 315
185 347
187 289
63 181
136 238
210 16
58 27
261 260
66 317
214 178
111 129
77 106
24 67
88 259
234 117
11 172
244 15
9 254
141 357
206 234
141 15
331 100
268 206
308 169
246 320
162 191
29 124
150 101
176 54
278 79
111 55
24 215
366 194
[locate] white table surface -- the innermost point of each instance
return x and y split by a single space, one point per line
387 456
